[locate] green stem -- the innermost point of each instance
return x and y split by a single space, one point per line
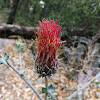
46 86
20 60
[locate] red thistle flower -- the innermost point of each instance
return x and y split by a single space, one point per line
47 39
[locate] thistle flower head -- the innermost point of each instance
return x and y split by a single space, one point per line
48 36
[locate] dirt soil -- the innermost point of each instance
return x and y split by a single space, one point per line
12 87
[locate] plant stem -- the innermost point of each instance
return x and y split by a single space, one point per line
46 86
84 87
20 60
25 79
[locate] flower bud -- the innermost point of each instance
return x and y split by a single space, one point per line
48 36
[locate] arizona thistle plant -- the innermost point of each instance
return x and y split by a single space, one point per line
48 36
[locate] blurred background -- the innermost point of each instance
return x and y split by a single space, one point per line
75 15
79 56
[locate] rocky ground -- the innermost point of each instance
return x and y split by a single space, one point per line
12 87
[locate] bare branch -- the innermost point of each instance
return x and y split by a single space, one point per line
85 86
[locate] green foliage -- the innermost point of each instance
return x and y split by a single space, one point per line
19 45
74 13
71 13
28 12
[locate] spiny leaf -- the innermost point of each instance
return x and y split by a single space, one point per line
6 56
51 88
2 61
43 90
